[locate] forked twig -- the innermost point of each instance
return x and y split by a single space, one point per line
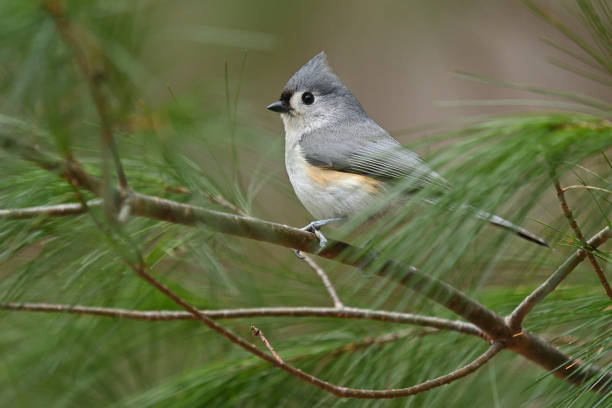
572 222
515 319
258 333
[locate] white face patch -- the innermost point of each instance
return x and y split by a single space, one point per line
306 118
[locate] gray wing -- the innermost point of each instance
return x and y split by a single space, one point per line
367 149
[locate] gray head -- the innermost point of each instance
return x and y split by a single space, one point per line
314 95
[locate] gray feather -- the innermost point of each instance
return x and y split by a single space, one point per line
367 149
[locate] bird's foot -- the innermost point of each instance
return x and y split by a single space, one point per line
315 228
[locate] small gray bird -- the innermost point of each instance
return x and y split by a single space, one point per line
340 161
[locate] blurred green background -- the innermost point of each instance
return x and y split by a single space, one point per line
187 84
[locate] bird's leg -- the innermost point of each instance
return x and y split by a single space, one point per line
315 228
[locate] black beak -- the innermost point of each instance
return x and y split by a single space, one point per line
278 106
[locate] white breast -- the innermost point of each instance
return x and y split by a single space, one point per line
328 193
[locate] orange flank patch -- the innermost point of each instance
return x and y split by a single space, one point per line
326 177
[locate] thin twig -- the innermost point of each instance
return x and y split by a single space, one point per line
258 333
301 311
515 319
95 78
572 222
325 279
48 210
578 186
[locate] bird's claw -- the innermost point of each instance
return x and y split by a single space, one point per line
312 227
322 239
315 228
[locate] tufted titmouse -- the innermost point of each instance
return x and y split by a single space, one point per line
340 161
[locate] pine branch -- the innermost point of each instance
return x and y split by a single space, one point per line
527 344
301 311
580 42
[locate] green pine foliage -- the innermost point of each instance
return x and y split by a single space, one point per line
188 149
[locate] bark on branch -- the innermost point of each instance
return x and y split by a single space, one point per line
302 311
48 210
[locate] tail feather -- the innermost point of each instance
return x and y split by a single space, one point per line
502 223
499 222
507 225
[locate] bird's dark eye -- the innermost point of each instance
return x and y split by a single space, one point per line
307 98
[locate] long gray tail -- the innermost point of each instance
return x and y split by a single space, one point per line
501 222
507 225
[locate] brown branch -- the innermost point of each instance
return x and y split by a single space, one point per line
528 345
578 186
248 227
325 279
302 311
515 319
572 222
59 210
258 333
95 78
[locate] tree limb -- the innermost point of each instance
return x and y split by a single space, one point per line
301 311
